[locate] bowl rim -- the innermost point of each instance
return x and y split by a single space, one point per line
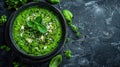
63 24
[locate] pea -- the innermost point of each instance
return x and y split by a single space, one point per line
68 54
67 39
55 61
54 1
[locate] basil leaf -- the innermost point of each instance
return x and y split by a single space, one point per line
55 61
42 28
37 25
30 23
68 15
38 19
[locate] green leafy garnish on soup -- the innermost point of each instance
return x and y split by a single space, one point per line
42 28
36 24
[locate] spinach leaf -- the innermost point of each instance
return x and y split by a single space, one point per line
55 61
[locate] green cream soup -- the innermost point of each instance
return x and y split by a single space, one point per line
37 31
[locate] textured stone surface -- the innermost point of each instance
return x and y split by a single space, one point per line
99 23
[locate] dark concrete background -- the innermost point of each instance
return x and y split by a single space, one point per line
99 44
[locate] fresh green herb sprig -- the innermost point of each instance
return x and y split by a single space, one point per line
37 25
78 34
68 16
15 3
5 47
15 64
55 61
3 19
68 54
